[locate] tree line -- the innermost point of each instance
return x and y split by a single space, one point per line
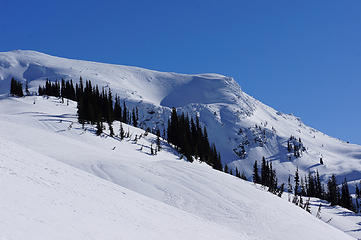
267 177
94 105
16 88
191 140
311 186
97 106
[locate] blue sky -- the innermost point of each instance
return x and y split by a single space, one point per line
301 57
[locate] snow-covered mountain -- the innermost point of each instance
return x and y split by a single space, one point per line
243 129
59 181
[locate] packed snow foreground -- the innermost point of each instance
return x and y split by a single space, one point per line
60 181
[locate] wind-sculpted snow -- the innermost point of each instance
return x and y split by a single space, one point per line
60 181
243 129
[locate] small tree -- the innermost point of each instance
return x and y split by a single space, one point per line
158 140
151 150
297 182
333 191
243 176
307 205
256 178
226 170
111 131
318 214
121 132
99 128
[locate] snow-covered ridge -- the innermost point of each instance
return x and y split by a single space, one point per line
243 128
130 82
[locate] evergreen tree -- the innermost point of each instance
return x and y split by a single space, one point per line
135 120
264 172
243 176
307 205
281 190
158 139
289 147
111 131
318 187
346 200
303 188
217 162
297 182
99 128
333 191
256 178
16 88
121 132
226 170
117 109
238 174
311 186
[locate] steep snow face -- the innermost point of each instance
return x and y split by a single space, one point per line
50 186
243 129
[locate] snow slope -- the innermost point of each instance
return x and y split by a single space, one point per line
42 198
140 197
218 100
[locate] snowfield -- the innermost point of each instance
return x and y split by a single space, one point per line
243 129
59 181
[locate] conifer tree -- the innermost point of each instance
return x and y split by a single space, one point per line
307 205
16 88
134 117
297 182
311 186
121 132
318 190
264 172
111 131
117 109
238 173
125 114
217 162
303 188
99 128
346 200
333 191
158 139
243 176
226 170
256 178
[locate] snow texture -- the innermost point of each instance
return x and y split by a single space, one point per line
243 129
59 181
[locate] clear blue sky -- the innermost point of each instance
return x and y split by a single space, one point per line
301 57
